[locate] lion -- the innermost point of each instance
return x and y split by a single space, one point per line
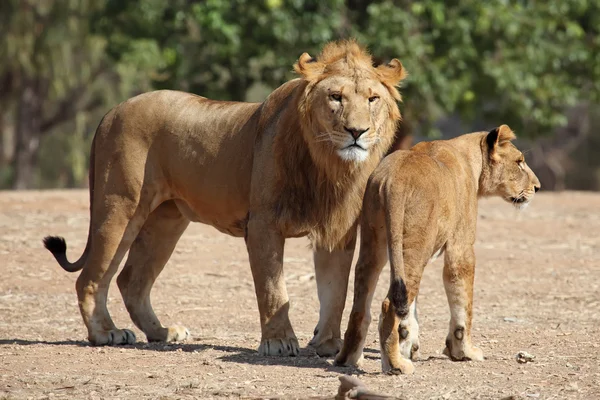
295 165
418 204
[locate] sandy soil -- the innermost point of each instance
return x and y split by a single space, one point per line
536 290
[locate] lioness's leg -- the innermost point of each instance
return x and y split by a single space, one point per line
332 270
265 250
147 257
372 259
121 221
398 325
459 274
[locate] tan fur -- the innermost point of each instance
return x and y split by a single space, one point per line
265 172
418 203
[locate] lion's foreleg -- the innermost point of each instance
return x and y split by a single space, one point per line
265 250
459 274
332 270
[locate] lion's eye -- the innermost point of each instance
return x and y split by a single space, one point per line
336 97
373 98
521 164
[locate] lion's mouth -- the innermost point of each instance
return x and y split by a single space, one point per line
355 145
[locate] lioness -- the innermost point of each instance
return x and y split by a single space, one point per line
295 165
422 202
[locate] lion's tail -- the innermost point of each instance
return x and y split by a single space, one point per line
58 246
395 227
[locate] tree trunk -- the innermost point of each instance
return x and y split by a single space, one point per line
27 132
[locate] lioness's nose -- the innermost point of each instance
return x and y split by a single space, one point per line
355 132
536 188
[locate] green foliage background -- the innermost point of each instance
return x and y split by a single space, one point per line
523 63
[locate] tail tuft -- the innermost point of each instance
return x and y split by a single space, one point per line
56 245
399 297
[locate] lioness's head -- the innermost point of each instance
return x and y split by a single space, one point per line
505 172
349 106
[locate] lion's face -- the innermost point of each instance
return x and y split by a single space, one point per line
509 175
350 114
349 105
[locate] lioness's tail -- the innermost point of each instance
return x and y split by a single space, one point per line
398 293
57 245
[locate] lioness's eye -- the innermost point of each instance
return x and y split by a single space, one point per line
373 98
336 96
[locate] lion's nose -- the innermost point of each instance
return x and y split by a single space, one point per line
536 188
355 132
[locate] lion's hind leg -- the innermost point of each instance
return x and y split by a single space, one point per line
116 224
147 257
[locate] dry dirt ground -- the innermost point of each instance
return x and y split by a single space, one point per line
536 290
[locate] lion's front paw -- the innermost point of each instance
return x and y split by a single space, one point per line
279 347
325 342
345 359
113 337
329 348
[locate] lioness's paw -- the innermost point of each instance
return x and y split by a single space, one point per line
329 348
113 337
279 347
177 333
401 366
470 353
409 348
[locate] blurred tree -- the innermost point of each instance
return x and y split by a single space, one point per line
218 48
500 61
49 66
522 63
516 62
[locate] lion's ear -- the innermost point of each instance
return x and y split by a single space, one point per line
392 73
499 136
308 67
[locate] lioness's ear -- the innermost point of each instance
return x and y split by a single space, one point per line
505 134
392 73
308 67
499 136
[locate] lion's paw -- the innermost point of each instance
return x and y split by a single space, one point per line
329 348
177 333
348 360
113 337
279 347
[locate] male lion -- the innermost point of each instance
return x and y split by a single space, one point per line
422 202
295 165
